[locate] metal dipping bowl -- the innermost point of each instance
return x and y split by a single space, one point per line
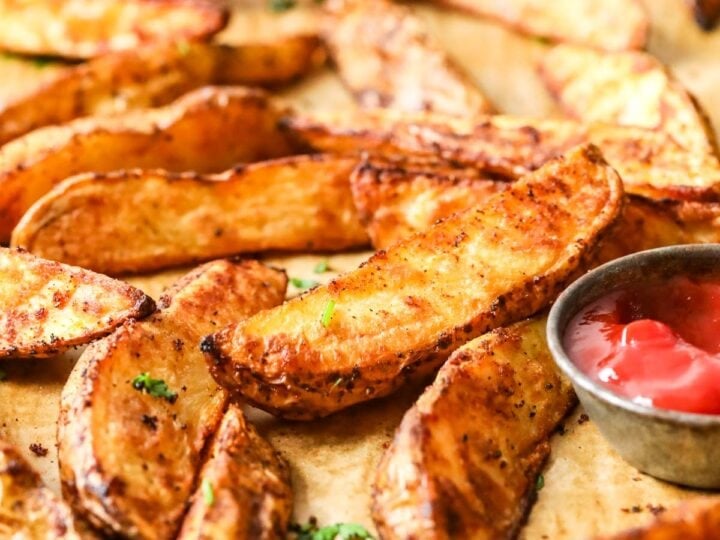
676 446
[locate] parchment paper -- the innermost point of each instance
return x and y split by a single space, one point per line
588 488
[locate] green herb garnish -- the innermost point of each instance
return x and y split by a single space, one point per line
281 5
339 531
322 267
208 492
328 313
303 283
3 374
540 482
154 387
183 47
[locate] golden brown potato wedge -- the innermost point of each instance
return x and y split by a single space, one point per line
650 163
611 25
405 310
28 509
395 200
707 13
87 28
161 219
155 75
695 519
386 59
208 130
47 307
140 405
630 88
464 461
244 487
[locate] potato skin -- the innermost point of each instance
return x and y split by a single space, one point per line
191 134
464 461
386 59
155 75
630 88
650 163
611 25
128 460
47 307
249 484
301 203
87 28
406 310
694 519
28 508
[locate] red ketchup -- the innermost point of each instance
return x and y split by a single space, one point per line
656 343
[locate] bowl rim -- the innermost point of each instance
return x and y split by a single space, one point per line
567 302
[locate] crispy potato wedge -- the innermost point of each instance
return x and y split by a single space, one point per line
405 310
395 200
244 487
464 461
650 163
28 509
695 519
707 13
630 88
161 219
386 59
128 459
155 75
611 25
191 134
47 307
87 28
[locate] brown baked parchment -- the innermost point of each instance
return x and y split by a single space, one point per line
588 488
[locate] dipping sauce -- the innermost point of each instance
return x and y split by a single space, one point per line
657 343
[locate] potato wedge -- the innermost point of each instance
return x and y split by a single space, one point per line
464 461
129 447
707 13
191 134
695 519
395 200
155 75
611 25
28 509
386 59
405 310
630 88
87 28
650 163
161 219
244 487
47 307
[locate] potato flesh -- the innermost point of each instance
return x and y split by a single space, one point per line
464 461
47 307
191 134
405 310
128 459
386 59
243 489
153 76
87 28
299 203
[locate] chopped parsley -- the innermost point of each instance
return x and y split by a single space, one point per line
322 267
328 313
208 492
339 531
3 374
154 387
281 5
183 47
540 482
301 283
